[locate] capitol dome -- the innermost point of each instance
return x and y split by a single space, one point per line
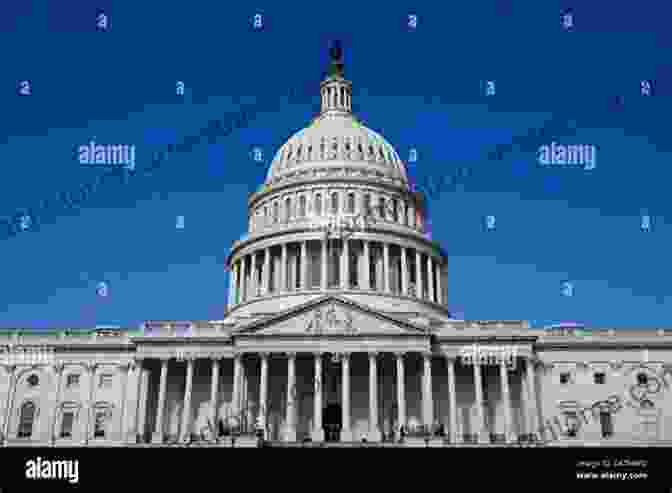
336 215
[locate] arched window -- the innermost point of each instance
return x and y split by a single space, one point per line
394 208
26 420
382 208
334 203
275 212
69 412
318 204
351 203
288 209
302 206
367 205
67 421
102 418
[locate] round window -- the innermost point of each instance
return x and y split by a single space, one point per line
33 380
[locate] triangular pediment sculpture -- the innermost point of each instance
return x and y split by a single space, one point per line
330 319
332 316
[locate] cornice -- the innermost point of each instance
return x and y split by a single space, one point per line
597 345
318 293
400 188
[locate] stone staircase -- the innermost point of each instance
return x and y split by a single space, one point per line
408 444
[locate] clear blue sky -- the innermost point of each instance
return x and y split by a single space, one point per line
119 87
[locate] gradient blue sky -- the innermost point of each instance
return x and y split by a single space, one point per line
419 89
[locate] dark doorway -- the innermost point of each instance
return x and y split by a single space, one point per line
332 423
605 422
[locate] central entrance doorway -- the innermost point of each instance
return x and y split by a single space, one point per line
331 422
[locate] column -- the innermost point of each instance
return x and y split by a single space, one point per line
481 431
430 277
386 268
263 393
283 269
304 265
418 274
89 408
323 279
345 265
346 431
374 431
267 272
452 395
130 429
186 409
401 392
58 370
366 280
318 432
214 389
126 370
290 432
242 281
506 394
253 276
404 272
143 391
531 396
245 417
232 283
11 369
237 398
439 286
158 430
427 398
236 282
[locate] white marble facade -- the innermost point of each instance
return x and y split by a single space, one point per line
336 329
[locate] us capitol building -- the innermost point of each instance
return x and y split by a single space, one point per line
336 330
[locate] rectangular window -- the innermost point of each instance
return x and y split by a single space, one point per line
72 381
66 426
105 381
564 378
599 378
606 424
99 427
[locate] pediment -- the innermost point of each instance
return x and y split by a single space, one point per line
332 316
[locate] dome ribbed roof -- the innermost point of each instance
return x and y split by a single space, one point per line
338 140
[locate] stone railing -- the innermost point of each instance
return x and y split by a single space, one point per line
352 222
36 338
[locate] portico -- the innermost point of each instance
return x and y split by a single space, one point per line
334 370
